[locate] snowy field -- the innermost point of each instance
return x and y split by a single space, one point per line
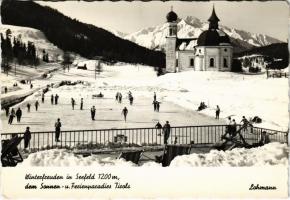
236 94
270 154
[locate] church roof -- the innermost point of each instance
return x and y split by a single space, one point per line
213 17
185 43
171 16
213 38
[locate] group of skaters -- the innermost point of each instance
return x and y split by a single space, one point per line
156 104
18 113
165 129
53 99
73 103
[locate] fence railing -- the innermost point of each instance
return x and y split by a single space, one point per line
130 137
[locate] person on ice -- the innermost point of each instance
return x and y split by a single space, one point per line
56 99
82 104
57 130
157 106
154 97
36 105
154 105
166 131
73 103
131 98
217 112
42 98
158 126
7 111
52 99
11 116
124 113
93 112
18 114
120 98
28 107
117 96
27 137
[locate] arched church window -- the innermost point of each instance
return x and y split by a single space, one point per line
191 62
225 63
170 32
211 62
225 50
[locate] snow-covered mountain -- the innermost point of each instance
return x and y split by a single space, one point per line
192 27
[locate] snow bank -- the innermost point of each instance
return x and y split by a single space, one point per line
66 158
270 154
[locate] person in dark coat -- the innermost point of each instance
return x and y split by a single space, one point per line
157 106
51 99
28 107
73 103
5 90
36 105
56 99
82 104
217 112
166 131
57 130
120 98
7 111
27 137
158 126
154 105
93 112
125 112
42 98
18 114
154 96
11 116
131 98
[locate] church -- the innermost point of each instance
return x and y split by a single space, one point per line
211 51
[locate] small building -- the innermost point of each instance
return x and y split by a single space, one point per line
211 51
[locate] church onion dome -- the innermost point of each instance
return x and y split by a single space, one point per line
213 17
213 38
171 16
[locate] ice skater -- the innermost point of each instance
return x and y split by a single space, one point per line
93 112
18 114
82 104
52 99
56 99
73 103
11 116
36 105
28 107
124 113
157 106
42 97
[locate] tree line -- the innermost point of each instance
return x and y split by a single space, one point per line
16 51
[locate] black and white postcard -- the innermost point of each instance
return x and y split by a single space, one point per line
144 99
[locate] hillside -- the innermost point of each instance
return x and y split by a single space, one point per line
33 35
278 52
192 27
87 40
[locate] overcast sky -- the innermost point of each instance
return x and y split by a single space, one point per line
270 17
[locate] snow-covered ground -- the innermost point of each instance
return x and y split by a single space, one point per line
237 95
270 154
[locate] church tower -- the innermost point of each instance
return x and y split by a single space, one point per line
171 37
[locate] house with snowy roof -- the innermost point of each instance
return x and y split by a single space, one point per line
211 51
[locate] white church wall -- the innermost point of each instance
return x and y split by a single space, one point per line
227 53
212 52
184 60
